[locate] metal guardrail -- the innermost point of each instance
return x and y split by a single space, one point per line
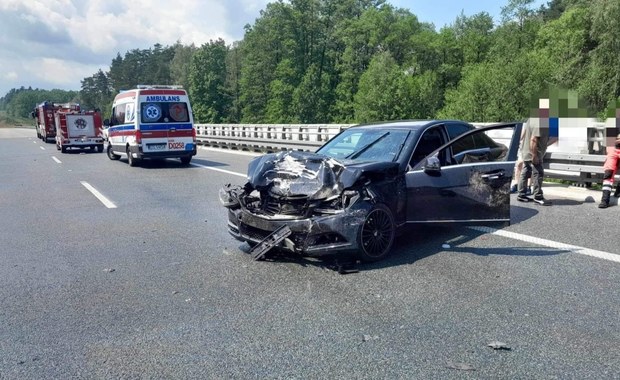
575 167
267 137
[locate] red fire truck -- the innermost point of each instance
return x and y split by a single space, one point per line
78 129
44 114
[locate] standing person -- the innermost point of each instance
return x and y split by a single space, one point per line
610 166
536 138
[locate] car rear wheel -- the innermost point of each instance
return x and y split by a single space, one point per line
111 154
376 234
186 160
130 159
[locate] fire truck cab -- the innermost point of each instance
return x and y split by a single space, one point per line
44 115
151 122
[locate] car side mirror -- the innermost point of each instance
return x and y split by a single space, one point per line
432 166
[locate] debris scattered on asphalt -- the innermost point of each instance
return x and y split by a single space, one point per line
445 246
367 337
175 292
187 300
460 366
109 270
498 345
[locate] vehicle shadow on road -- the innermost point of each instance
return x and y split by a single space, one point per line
168 163
204 162
427 241
414 245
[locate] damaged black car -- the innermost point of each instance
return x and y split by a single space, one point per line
370 181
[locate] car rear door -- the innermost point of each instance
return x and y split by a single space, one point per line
467 180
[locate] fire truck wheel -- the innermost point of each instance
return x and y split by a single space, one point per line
186 160
63 149
100 148
111 154
130 159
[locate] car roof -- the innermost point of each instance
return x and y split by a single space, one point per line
408 124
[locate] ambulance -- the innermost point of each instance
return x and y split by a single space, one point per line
151 122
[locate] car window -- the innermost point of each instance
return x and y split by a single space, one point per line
430 140
455 130
477 147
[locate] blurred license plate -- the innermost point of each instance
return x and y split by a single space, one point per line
161 146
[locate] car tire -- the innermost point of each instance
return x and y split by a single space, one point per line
63 149
186 160
111 154
130 159
376 234
100 148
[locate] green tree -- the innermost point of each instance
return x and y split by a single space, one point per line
180 64
382 94
601 84
207 79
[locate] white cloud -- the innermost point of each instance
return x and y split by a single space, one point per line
60 42
11 75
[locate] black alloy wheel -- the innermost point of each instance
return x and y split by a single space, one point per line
376 234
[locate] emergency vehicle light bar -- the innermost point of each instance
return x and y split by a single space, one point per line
160 86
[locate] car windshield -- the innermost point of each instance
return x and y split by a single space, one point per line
366 144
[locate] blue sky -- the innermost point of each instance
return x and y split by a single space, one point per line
444 12
48 46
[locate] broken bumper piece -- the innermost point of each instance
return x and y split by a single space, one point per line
314 236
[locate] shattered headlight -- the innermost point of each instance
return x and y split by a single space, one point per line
227 199
339 204
349 197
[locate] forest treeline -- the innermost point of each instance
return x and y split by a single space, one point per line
346 61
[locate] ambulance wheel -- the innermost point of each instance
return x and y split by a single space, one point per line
100 148
130 159
111 154
186 160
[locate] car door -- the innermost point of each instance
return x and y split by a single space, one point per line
467 180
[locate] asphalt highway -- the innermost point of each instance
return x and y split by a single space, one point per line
114 272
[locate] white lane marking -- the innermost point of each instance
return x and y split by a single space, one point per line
34 142
42 148
220 170
106 202
551 244
57 160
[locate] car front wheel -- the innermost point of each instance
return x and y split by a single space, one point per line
376 234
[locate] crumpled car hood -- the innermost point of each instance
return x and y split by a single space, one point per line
312 175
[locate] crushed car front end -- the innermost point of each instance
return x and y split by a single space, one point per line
321 200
